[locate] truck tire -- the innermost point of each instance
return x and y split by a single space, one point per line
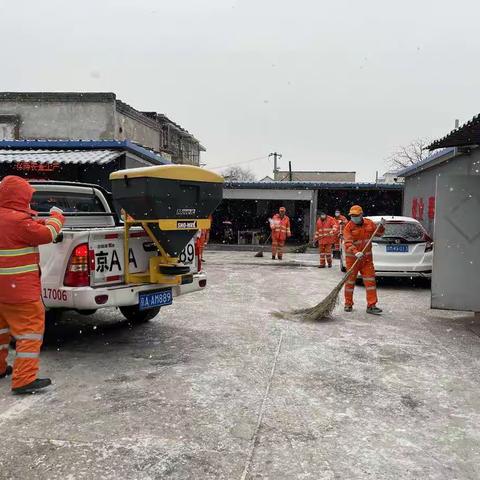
134 315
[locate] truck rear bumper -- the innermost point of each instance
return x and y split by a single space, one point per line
88 298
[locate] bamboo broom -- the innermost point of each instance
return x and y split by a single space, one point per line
324 309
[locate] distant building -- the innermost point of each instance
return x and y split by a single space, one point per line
390 177
93 116
306 176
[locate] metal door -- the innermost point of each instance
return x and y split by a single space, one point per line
456 257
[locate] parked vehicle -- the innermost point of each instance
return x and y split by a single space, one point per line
405 250
84 271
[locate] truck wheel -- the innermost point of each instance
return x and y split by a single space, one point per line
134 315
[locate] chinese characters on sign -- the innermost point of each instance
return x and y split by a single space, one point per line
37 167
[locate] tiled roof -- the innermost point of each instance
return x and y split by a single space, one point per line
465 135
98 157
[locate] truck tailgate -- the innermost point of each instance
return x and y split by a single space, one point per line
106 253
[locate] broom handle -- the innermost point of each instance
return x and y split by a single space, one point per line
370 240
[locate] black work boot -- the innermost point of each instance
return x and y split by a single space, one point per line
321 266
348 308
374 310
7 372
33 387
273 257
329 265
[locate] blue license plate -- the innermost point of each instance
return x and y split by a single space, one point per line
155 299
397 248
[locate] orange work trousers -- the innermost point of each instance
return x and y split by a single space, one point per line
367 269
277 247
325 253
25 322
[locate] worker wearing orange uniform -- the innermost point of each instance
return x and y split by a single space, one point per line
22 314
356 235
280 226
341 222
325 235
203 239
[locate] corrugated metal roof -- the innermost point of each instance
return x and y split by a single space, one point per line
313 185
434 159
98 157
465 135
125 145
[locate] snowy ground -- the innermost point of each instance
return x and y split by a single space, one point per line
360 397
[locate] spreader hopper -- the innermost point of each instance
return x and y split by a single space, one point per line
171 203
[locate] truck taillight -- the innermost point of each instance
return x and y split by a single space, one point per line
78 268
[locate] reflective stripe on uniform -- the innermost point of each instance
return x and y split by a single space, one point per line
53 231
371 288
17 270
4 330
350 282
16 252
28 354
369 279
56 221
30 336
4 346
349 289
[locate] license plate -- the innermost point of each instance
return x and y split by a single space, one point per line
397 248
155 299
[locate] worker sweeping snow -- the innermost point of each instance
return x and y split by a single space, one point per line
356 236
22 314
341 223
325 235
280 226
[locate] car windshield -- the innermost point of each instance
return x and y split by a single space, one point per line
406 230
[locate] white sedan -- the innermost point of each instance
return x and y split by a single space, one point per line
405 250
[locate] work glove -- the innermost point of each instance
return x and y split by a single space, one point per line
359 255
56 210
383 222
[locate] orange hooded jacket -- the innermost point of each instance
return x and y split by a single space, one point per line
20 236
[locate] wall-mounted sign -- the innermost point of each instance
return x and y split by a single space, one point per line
37 167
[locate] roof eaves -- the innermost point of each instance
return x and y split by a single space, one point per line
432 160
85 145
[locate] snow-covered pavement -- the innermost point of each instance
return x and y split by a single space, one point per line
217 388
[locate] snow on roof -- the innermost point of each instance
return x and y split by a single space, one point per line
98 157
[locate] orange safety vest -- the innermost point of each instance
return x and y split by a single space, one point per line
280 227
355 237
326 231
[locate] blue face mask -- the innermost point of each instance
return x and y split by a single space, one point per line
357 220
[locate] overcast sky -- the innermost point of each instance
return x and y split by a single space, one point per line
332 85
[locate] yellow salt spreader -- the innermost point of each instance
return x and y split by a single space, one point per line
171 203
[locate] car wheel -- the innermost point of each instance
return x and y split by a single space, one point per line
134 315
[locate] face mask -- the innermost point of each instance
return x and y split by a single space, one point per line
323 217
337 214
357 220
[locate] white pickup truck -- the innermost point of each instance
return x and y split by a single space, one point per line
84 271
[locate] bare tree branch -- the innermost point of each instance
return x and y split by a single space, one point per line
238 174
408 155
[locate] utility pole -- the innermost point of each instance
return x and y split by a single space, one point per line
275 156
